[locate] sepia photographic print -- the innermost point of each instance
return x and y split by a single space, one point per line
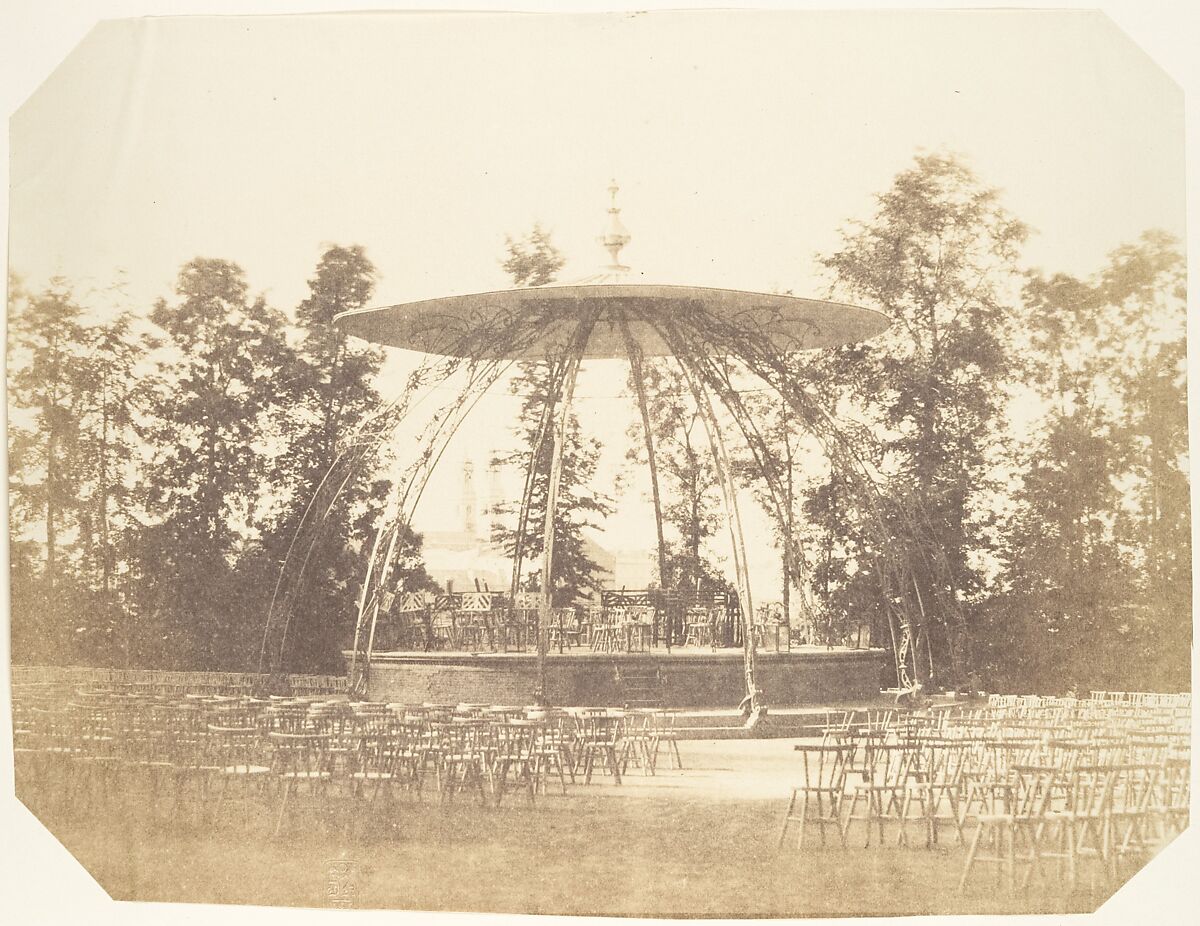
725 464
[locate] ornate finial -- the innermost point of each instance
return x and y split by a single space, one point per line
617 236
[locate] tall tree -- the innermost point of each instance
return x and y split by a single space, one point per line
113 393
332 389
1146 284
532 260
215 437
691 507
1067 581
1096 587
939 257
47 346
336 375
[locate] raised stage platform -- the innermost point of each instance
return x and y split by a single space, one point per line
691 678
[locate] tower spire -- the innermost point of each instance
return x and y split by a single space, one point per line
617 236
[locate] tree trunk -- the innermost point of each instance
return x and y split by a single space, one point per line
787 588
51 513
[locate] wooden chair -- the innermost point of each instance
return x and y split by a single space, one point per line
699 627
922 774
234 754
1071 829
948 759
597 742
769 620
1131 813
464 762
885 791
564 630
638 627
988 786
666 733
998 835
147 738
516 757
297 759
192 770
443 631
605 632
552 749
1173 807
430 743
376 762
820 792
639 740
471 636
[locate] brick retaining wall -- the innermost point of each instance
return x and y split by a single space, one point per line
701 680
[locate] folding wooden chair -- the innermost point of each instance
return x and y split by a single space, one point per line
1130 814
1073 828
1174 802
947 762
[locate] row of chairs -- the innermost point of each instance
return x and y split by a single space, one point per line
1107 814
110 752
1106 699
1089 781
1147 698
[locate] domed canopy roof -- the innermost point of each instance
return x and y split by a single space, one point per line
440 326
548 317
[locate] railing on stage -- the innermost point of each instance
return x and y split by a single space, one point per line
623 620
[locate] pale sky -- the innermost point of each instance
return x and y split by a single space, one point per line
742 143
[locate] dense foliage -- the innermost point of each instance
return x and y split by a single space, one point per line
157 477
1023 434
1027 438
